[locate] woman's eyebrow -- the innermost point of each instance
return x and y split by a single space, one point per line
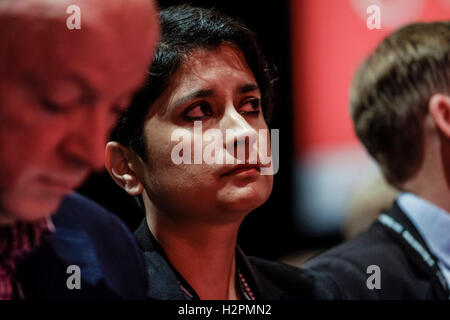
248 88
195 95
204 93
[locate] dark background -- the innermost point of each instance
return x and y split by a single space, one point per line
268 231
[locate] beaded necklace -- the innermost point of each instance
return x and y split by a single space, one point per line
245 289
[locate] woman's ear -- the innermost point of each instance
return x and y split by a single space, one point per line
439 107
121 164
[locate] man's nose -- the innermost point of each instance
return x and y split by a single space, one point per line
240 137
89 135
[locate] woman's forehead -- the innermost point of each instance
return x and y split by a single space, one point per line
202 71
206 66
209 58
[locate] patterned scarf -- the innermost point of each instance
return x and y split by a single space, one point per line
16 241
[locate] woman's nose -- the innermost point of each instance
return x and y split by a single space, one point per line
240 137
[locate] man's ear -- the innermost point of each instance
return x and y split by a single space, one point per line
121 164
439 108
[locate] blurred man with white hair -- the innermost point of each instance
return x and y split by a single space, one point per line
61 92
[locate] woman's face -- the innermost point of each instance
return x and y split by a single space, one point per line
217 89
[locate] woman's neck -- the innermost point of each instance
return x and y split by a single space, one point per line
203 254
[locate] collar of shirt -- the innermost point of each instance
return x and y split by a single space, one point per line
16 241
433 223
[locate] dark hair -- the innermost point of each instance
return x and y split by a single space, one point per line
184 29
391 91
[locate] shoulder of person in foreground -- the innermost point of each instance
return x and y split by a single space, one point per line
279 281
371 266
91 255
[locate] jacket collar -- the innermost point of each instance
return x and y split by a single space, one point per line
163 282
163 277
261 286
396 212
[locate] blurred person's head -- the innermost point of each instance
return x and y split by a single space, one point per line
400 105
208 68
61 92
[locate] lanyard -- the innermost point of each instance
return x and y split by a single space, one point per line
406 236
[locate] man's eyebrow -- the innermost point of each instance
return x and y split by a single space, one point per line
248 88
195 95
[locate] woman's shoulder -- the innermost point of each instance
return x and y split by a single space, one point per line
276 280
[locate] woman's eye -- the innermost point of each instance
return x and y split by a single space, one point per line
251 106
197 112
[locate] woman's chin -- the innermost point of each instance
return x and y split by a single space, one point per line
244 199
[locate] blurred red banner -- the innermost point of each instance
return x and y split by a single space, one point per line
329 40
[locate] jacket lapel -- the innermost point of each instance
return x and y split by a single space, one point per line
260 285
163 283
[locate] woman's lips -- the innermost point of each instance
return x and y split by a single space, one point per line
243 170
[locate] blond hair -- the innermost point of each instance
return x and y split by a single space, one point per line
390 94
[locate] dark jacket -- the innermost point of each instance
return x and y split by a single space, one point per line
88 236
404 274
268 280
